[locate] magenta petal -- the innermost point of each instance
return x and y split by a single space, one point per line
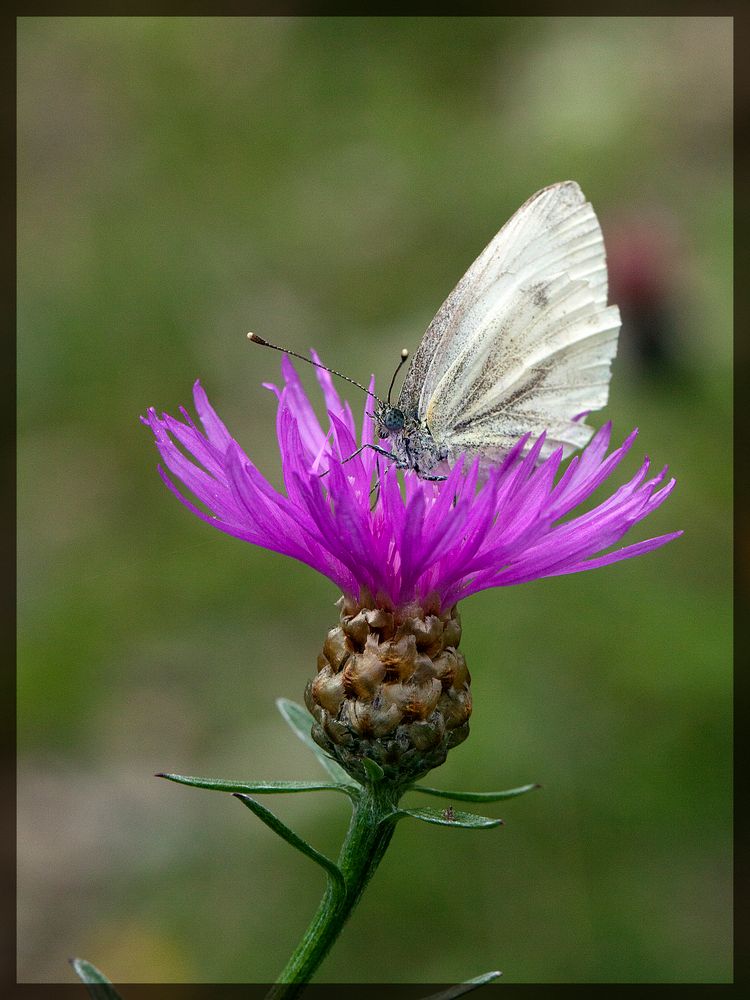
217 433
356 520
628 552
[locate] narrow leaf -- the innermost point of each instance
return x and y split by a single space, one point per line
295 840
373 770
450 817
100 987
256 787
463 988
511 793
299 720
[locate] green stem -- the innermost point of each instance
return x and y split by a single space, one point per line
370 831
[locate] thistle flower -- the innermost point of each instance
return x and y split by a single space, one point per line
391 685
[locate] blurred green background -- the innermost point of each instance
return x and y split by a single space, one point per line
325 182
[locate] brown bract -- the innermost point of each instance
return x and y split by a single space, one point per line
391 686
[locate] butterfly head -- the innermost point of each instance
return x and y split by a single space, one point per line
390 419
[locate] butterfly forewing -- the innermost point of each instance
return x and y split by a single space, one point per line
525 340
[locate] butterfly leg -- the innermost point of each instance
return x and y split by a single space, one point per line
376 487
374 447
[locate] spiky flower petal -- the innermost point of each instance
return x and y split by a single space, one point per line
420 544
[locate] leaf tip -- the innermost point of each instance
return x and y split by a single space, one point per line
373 770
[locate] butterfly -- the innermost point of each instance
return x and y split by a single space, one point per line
522 345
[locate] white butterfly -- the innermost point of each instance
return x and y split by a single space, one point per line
523 344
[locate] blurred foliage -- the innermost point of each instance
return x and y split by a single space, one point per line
325 181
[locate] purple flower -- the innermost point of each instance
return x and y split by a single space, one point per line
410 542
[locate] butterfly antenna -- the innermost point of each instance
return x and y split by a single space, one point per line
404 356
316 364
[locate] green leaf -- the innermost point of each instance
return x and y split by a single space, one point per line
300 721
450 817
256 787
101 987
467 987
511 793
332 870
373 770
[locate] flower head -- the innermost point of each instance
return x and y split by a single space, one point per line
411 543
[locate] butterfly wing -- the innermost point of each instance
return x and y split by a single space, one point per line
525 340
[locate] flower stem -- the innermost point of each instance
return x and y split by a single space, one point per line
366 841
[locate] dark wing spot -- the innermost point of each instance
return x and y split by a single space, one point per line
539 295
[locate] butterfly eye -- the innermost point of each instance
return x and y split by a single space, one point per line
393 419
